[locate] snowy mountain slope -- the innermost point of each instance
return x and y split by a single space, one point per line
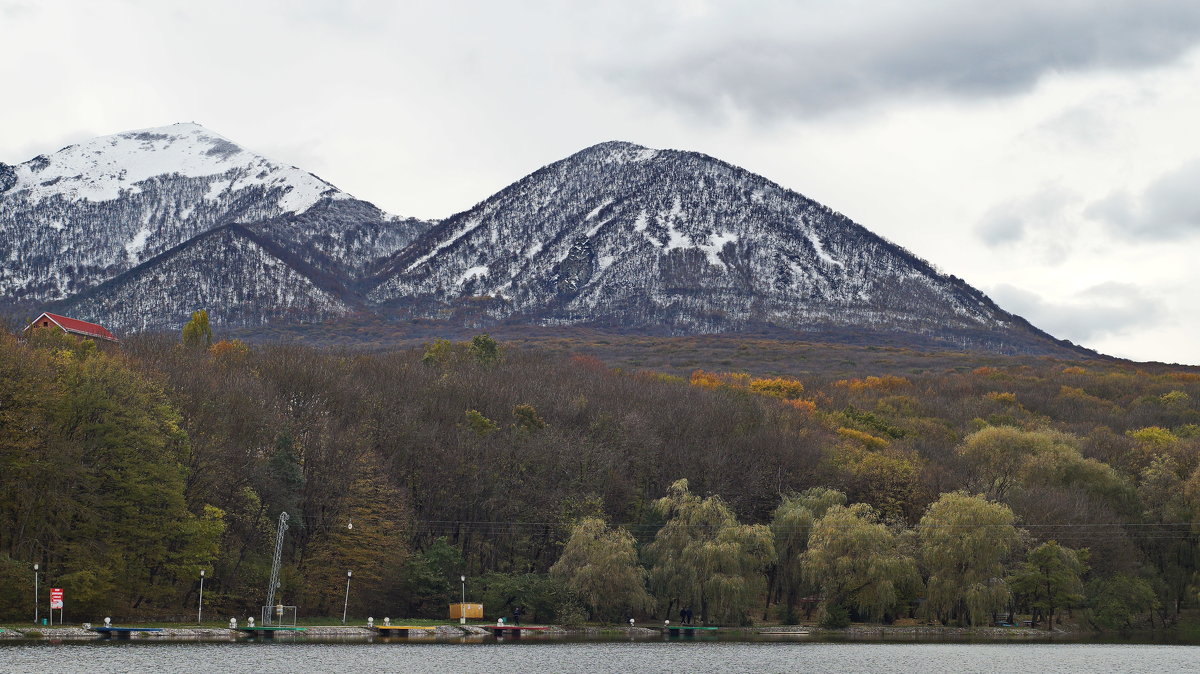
73 219
347 238
626 236
138 229
161 293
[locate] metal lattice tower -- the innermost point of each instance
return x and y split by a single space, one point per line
283 526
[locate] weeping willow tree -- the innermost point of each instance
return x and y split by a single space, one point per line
858 562
965 541
791 526
703 558
600 565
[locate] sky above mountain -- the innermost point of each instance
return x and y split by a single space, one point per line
1044 152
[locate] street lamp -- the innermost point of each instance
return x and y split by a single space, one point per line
200 606
35 594
462 608
346 605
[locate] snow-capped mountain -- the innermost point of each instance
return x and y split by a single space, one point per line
630 237
137 229
89 212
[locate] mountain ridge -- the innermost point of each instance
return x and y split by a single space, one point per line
616 235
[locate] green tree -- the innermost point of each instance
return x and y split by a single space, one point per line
197 333
430 578
859 562
484 349
791 526
703 557
527 418
965 541
1117 601
1002 457
600 565
1051 578
480 424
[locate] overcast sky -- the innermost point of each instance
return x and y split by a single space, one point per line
1046 152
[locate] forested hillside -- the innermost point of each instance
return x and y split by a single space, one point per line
575 489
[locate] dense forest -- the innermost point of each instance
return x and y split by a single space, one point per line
579 490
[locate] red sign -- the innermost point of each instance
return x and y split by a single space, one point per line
56 597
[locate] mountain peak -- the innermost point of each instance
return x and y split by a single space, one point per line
617 151
106 167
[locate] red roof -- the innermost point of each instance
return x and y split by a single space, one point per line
76 326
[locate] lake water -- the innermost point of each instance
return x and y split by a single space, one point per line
534 657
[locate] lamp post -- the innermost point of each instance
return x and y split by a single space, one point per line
35 594
346 605
462 608
200 606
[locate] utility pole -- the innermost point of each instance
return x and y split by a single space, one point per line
35 594
346 604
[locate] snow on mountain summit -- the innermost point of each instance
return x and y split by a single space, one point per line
103 168
88 212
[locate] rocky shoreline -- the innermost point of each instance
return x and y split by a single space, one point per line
359 633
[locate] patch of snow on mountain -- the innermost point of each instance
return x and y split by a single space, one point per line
716 245
639 225
596 211
136 244
469 225
820 250
474 272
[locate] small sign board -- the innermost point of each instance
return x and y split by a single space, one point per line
56 597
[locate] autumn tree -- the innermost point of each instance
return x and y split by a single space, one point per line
600 565
965 541
197 333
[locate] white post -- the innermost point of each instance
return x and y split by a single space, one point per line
346 605
462 608
36 606
200 606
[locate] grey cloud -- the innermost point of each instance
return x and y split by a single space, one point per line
1039 218
782 60
1104 309
1168 209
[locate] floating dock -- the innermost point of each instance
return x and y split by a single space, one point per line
513 631
687 630
268 632
400 630
122 632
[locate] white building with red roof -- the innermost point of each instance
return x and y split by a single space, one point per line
71 326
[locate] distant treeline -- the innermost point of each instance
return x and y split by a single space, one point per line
577 490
